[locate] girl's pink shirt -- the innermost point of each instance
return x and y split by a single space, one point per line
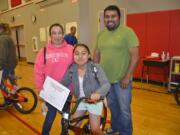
57 61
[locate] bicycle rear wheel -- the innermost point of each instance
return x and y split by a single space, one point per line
2 100
30 102
177 94
104 116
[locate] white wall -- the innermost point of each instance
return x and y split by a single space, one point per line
85 12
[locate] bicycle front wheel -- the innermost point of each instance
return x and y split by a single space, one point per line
177 94
30 100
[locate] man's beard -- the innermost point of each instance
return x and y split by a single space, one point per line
111 28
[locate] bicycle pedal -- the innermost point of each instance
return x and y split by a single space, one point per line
20 106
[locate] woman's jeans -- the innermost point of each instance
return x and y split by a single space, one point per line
119 101
8 74
51 114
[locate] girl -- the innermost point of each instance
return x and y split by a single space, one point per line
92 83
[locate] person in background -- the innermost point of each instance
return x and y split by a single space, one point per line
58 57
8 60
118 45
71 38
88 80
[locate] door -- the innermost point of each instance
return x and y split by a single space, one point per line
17 33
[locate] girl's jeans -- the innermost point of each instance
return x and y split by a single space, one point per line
51 116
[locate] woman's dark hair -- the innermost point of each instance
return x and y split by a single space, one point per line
2 25
54 25
113 8
82 45
6 28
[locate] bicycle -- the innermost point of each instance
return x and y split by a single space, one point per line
70 122
176 93
24 99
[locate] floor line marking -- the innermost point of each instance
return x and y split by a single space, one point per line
24 122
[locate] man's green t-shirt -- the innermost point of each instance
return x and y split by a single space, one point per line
113 47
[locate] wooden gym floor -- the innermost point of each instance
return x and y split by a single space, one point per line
154 112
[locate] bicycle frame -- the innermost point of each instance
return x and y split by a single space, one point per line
10 88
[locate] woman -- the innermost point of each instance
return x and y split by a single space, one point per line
58 57
8 60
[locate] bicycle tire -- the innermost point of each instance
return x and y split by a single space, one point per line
26 107
2 100
177 94
104 117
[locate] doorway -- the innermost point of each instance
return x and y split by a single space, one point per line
17 34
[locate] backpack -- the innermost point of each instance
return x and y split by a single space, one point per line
44 55
94 70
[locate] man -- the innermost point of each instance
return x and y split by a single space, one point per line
71 38
117 45
8 60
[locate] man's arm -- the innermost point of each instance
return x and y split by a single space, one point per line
96 56
134 52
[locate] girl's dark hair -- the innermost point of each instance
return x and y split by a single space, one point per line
83 45
113 8
54 25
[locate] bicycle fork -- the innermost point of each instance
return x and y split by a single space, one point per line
65 123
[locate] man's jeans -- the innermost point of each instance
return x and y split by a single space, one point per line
119 101
51 114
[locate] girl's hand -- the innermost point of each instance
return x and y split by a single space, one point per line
95 96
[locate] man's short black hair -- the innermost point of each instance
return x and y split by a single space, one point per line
114 8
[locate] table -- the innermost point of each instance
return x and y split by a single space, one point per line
155 63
